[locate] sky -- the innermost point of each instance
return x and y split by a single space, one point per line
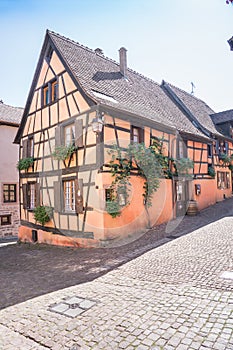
180 41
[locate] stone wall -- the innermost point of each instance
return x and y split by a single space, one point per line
12 229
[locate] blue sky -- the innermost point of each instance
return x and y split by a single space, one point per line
180 41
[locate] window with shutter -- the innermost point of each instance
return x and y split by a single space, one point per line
31 195
49 92
137 134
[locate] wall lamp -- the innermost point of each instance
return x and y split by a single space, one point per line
97 123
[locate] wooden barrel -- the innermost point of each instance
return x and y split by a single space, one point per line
192 208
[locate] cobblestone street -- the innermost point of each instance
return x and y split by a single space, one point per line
177 296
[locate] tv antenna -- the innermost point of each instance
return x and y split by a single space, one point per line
193 87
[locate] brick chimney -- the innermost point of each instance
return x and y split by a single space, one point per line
123 61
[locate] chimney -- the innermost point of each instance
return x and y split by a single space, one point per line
123 61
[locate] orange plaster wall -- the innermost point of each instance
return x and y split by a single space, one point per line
161 210
25 235
208 192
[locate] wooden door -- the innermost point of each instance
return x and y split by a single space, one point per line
181 197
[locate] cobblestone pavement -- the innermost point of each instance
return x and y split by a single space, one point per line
27 271
173 297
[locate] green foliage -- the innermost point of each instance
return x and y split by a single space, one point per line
157 149
113 208
225 158
43 214
138 160
211 172
63 152
183 166
25 163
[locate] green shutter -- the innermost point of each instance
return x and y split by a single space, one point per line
37 194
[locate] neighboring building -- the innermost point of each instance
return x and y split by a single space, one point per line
75 90
10 118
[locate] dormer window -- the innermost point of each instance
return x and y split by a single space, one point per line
50 92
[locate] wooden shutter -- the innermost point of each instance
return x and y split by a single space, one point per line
79 133
25 148
141 135
37 194
25 196
217 146
58 136
57 196
226 147
79 198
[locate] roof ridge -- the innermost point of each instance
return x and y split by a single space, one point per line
84 47
186 92
228 110
4 104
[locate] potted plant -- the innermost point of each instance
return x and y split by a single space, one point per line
43 214
25 163
62 152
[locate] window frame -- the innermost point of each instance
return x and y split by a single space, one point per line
71 128
71 195
8 216
223 180
140 134
50 92
9 191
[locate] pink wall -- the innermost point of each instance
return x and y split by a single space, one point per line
8 154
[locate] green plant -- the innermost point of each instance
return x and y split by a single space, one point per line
183 166
211 172
225 158
230 166
25 163
138 160
43 214
113 208
63 152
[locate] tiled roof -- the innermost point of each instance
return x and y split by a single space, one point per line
98 75
9 114
222 117
198 108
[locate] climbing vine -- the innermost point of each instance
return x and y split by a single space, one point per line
135 160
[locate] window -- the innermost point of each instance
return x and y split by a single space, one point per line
50 93
223 180
69 135
31 195
223 147
28 148
136 134
9 193
109 195
182 149
209 148
5 220
69 195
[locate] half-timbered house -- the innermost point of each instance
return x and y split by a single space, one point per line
82 99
